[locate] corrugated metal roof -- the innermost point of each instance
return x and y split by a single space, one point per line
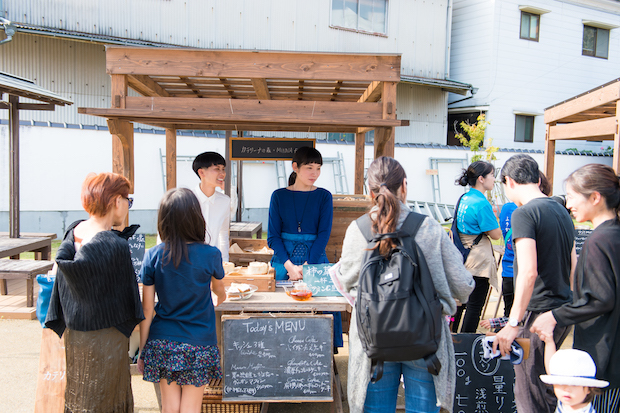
453 86
26 88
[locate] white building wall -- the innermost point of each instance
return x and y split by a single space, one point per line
416 29
55 161
513 74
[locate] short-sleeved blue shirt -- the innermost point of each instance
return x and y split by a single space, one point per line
475 214
184 312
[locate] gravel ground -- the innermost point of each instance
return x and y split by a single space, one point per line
20 341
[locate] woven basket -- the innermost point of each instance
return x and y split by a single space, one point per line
212 401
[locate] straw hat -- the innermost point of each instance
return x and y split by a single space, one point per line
573 368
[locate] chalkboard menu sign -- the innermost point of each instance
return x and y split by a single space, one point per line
277 357
136 247
319 281
262 149
580 237
482 385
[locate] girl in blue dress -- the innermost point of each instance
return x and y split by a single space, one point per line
300 223
178 347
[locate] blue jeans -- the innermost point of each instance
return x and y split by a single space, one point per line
419 389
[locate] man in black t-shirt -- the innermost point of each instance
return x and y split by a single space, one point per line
543 241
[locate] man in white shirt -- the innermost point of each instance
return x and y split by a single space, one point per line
211 169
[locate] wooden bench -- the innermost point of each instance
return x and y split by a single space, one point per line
246 229
24 269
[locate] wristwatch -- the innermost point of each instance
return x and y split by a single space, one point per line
513 322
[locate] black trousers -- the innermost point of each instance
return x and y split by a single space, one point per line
508 294
473 308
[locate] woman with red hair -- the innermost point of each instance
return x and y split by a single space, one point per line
95 302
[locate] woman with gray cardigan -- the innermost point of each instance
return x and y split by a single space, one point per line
424 392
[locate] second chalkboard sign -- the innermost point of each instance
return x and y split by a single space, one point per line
482 385
277 357
319 281
263 149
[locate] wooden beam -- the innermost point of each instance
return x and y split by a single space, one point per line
597 129
239 111
549 162
253 127
372 93
146 86
171 158
360 143
589 100
261 88
31 106
252 64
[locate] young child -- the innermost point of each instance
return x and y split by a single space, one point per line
572 373
178 347
215 206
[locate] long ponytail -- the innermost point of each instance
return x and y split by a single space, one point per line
385 178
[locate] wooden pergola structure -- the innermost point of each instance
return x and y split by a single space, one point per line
247 90
593 116
15 88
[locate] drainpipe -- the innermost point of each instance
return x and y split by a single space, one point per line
448 39
8 27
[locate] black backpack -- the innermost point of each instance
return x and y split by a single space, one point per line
398 310
456 238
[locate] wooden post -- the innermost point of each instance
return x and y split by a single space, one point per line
549 165
122 135
239 216
360 138
122 152
616 160
171 158
228 162
14 166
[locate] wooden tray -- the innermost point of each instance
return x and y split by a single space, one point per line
264 282
244 258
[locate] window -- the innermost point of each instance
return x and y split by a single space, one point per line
595 42
524 128
360 15
454 125
530 25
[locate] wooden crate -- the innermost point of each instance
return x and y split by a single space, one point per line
347 208
212 401
243 259
264 282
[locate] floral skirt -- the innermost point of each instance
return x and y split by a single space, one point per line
183 363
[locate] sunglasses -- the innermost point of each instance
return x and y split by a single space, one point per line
130 201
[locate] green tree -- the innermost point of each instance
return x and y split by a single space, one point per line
475 139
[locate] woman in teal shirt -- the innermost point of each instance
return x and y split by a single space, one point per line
474 217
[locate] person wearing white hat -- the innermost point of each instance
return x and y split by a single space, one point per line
572 373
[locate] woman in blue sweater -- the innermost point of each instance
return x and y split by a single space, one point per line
300 223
